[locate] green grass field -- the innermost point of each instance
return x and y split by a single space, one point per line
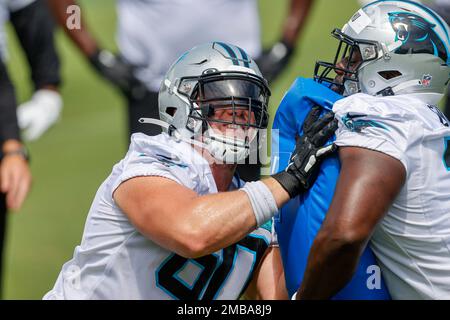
75 156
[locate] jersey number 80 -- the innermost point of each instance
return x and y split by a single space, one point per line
213 271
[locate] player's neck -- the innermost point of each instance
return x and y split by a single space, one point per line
223 175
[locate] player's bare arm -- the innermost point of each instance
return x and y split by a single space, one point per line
111 66
268 283
191 225
295 21
176 194
178 219
15 175
274 60
367 186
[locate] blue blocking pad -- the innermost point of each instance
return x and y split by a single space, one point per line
299 220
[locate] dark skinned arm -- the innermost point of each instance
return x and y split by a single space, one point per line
298 13
81 37
274 60
368 184
109 65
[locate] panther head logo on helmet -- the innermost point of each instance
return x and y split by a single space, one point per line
416 34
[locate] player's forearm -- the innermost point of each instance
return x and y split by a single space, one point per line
331 264
221 220
225 218
11 145
363 195
298 13
270 281
81 37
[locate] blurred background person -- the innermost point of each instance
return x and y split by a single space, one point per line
153 34
15 177
33 26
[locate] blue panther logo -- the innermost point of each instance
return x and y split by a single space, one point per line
354 125
417 35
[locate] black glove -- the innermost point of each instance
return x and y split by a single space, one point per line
120 73
304 163
272 61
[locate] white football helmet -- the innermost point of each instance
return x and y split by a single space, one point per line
215 93
402 47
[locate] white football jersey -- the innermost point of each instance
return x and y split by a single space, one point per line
152 34
115 261
412 242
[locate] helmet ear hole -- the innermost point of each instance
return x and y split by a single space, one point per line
390 74
171 111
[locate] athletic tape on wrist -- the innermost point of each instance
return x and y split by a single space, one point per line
262 200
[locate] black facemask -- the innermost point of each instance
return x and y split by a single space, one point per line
347 50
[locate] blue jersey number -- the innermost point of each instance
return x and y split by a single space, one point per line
212 271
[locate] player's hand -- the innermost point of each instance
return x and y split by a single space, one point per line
310 150
38 114
15 177
120 73
273 60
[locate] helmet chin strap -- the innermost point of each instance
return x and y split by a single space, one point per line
173 131
390 91
157 122
406 85
220 147
226 149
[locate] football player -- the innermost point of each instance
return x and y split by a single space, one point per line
394 154
298 222
173 221
152 34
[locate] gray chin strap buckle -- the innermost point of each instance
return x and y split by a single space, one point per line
157 122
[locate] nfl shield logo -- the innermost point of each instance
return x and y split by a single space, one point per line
426 80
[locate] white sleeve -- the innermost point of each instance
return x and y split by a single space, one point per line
371 123
152 160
